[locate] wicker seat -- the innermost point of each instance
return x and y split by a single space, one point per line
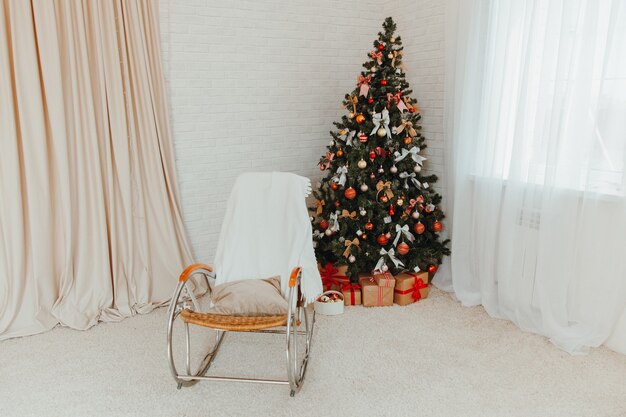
233 323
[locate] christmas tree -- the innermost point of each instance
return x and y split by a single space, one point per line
376 209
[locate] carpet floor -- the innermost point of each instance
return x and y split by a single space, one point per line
433 358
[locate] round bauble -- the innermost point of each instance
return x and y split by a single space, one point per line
339 153
328 232
331 143
419 228
381 132
373 69
350 193
369 226
415 214
437 226
372 155
360 118
400 202
383 82
324 224
372 176
364 187
393 169
388 235
408 140
392 40
432 269
361 164
337 203
412 110
384 268
370 100
363 137
381 46
364 236
390 55
402 248
382 240
383 198
417 168
351 259
392 211
362 212
351 115
334 186
380 169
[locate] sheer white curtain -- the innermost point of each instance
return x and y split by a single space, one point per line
536 137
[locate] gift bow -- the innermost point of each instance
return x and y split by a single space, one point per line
405 125
320 207
329 157
334 223
347 136
346 213
349 244
391 255
406 176
404 230
377 55
418 284
413 152
399 102
385 187
364 84
381 120
351 100
341 171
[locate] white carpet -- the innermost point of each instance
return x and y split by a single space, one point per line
434 358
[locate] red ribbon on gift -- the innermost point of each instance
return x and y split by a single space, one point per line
418 284
330 277
352 288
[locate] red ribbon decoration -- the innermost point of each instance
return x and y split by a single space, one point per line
325 165
409 209
418 284
363 84
330 277
397 97
377 55
352 288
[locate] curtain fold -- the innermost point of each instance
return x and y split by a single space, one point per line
536 156
90 221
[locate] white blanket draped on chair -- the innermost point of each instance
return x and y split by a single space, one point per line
266 232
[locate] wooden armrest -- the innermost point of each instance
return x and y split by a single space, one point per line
192 269
294 276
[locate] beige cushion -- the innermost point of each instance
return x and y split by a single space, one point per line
252 297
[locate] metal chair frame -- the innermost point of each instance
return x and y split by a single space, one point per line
297 325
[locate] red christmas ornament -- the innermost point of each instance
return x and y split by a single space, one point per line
324 224
372 155
383 82
337 204
382 240
391 210
369 226
419 228
350 193
381 46
370 100
412 110
403 248
363 137
437 226
432 269
380 152
384 198
334 186
408 140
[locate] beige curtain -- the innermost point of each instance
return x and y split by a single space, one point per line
90 221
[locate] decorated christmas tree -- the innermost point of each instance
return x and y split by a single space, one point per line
376 209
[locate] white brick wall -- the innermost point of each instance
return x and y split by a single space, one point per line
256 85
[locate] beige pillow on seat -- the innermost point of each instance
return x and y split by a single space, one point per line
251 297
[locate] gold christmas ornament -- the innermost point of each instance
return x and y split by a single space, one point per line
351 115
381 132
362 164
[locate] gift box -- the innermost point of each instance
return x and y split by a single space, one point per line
377 289
334 277
351 294
410 287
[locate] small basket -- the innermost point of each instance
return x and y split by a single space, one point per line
329 309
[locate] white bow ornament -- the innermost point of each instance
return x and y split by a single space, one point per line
381 120
413 152
391 255
406 177
404 230
341 171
